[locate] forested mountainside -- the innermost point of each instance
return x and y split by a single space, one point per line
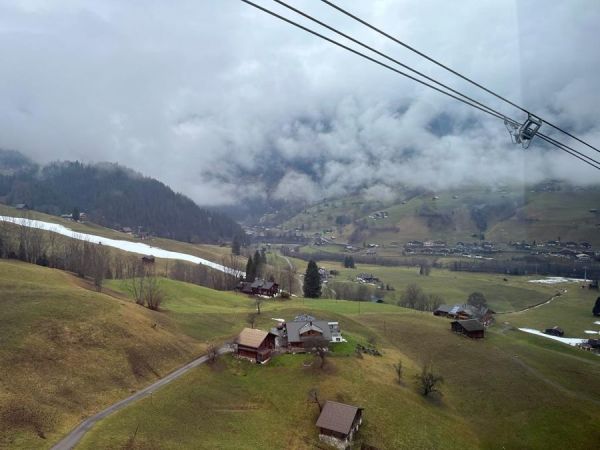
112 196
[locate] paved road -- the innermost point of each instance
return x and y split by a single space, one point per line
75 436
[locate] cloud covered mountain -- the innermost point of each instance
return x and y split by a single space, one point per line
227 104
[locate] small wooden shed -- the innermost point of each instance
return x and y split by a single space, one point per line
338 423
471 328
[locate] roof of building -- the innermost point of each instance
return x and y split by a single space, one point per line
251 337
443 308
310 326
471 325
263 284
293 329
337 417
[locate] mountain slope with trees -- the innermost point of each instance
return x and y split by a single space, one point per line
112 196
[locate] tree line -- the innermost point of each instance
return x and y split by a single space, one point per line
115 196
98 263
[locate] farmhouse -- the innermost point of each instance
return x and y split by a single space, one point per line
338 423
259 287
255 345
461 312
367 278
306 328
471 328
555 331
442 310
464 312
262 287
148 259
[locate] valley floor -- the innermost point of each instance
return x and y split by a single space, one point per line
68 352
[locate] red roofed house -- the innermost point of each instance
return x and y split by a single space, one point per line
338 423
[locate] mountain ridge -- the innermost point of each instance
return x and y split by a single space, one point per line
113 196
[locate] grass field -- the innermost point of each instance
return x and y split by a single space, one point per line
68 352
454 287
511 390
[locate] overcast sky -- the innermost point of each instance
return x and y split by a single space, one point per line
222 101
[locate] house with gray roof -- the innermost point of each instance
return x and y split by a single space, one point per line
306 328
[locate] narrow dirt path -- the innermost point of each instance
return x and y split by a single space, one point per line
73 438
537 305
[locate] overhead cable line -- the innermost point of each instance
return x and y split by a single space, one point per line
483 108
412 49
389 58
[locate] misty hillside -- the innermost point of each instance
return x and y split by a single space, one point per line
550 210
111 196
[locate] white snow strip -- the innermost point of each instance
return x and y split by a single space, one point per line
597 322
133 247
569 341
556 280
591 332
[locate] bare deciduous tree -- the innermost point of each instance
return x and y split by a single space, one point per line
318 346
399 370
313 396
153 292
98 263
428 381
251 319
212 353
136 275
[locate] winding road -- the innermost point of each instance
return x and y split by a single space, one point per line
73 438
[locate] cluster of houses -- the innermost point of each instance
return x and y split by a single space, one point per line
578 251
295 336
468 320
337 422
379 215
441 248
367 278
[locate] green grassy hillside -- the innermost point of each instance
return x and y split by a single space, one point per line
67 351
213 253
511 390
507 214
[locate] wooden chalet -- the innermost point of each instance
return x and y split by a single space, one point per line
442 310
255 345
267 288
259 287
305 328
555 331
461 312
471 328
338 423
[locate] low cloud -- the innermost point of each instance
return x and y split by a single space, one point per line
225 103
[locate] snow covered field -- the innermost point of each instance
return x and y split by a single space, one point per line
133 247
556 280
569 341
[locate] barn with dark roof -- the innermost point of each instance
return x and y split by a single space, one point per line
338 423
471 328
